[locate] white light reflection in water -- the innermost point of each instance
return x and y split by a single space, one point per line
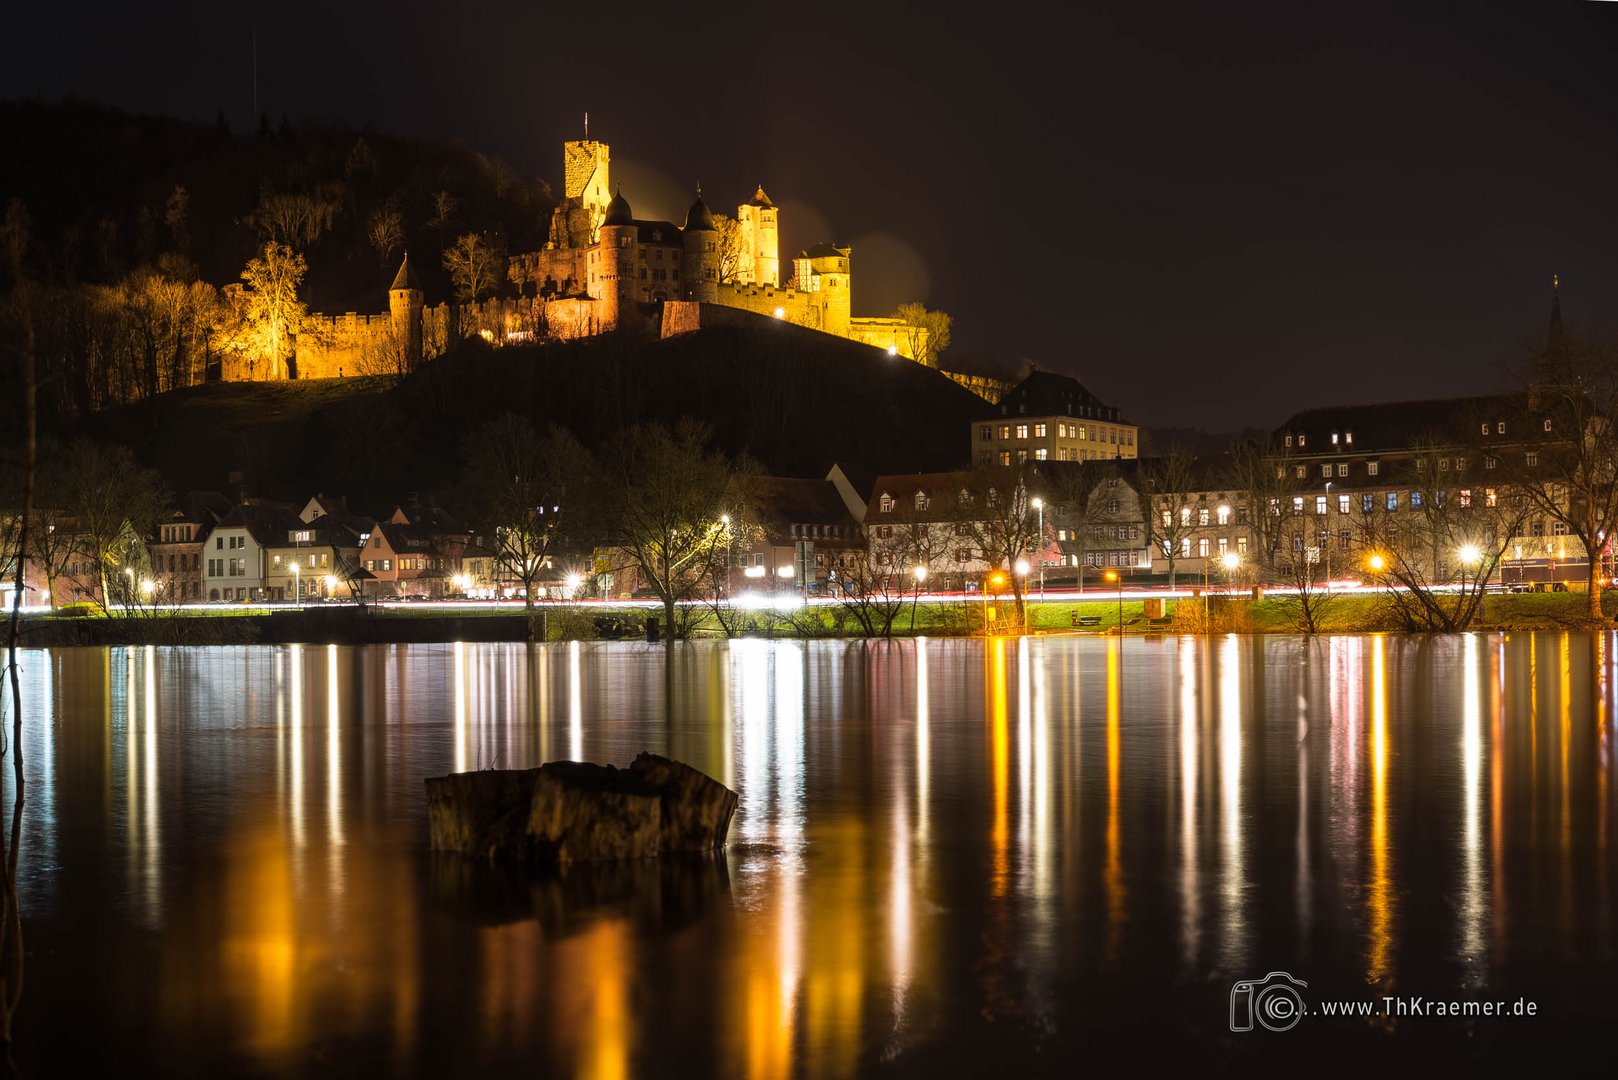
923 739
1190 886
295 734
460 692
1473 907
334 772
1233 870
575 703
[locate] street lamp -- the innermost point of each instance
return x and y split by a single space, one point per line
1039 505
297 582
129 572
1113 576
1376 562
992 579
331 585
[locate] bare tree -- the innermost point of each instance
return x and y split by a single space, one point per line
1300 563
114 503
728 246
1438 545
1170 482
293 220
476 267
385 231
14 236
928 332
522 491
996 508
1266 481
662 496
1563 453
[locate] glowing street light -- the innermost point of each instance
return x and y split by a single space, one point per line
573 582
1376 562
331 585
1113 576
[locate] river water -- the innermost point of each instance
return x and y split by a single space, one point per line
952 858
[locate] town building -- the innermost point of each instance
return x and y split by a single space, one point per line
1051 417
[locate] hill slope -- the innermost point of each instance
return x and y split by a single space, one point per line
796 401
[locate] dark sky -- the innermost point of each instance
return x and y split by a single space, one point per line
1214 213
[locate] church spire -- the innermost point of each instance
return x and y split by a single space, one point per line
1556 334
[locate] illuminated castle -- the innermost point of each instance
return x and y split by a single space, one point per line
601 269
599 249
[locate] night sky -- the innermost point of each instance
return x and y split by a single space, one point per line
1213 214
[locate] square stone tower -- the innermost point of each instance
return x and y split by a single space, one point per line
760 262
584 177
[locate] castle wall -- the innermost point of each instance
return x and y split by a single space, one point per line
565 268
885 334
800 308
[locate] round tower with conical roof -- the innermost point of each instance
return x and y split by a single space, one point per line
615 261
700 270
405 303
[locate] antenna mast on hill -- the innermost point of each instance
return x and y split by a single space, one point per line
587 125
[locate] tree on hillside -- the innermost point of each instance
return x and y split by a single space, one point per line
522 492
293 220
273 314
728 245
662 496
476 267
927 331
385 231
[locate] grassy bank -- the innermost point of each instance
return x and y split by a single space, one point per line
566 622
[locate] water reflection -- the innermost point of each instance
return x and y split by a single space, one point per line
949 855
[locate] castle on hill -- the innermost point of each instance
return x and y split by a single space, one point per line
602 267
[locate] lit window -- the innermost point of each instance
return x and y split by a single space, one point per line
1547 423
1334 438
1367 501
1289 440
1342 504
1415 500
1202 516
1039 431
1320 504
1302 472
1224 515
1348 437
1500 428
1041 454
1466 497
1393 500
1485 430
1022 431
1297 504
1202 548
1300 440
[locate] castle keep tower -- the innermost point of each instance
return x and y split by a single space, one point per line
405 300
584 178
760 263
615 261
700 272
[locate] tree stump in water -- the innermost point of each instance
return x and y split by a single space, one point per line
569 811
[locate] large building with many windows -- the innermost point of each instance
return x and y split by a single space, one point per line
1051 417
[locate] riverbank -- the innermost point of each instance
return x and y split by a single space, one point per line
343 625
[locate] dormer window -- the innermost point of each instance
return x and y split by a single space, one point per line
1485 430
1348 437
886 503
1500 428
1547 423
1289 440
1300 440
1334 438
921 500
